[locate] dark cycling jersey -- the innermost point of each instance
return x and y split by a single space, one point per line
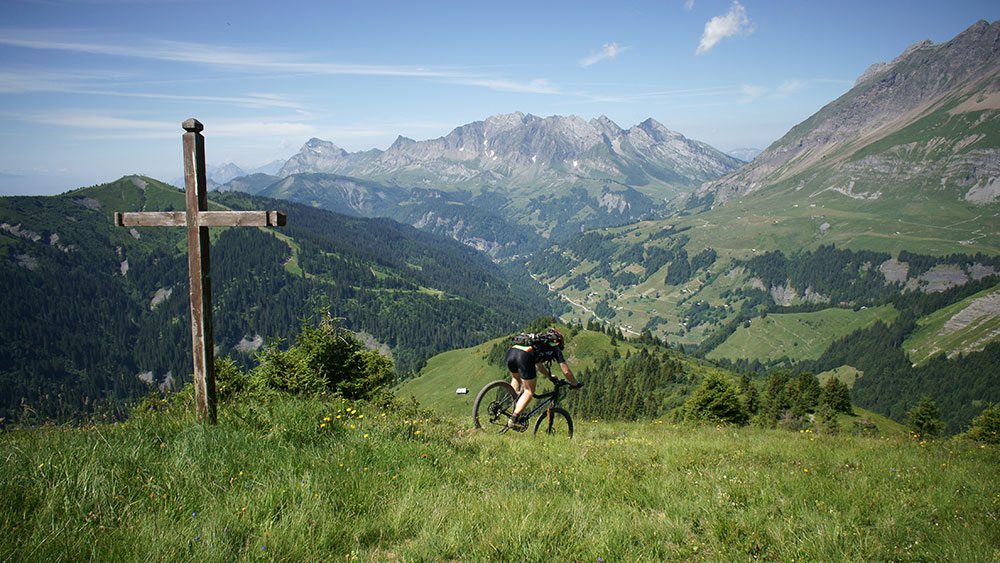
522 359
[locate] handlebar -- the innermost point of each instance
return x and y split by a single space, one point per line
559 382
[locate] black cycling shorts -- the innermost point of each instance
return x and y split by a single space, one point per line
521 362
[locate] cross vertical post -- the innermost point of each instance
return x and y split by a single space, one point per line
199 271
197 218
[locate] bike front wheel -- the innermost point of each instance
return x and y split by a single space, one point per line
494 405
555 421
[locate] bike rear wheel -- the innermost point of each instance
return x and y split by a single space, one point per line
554 421
494 405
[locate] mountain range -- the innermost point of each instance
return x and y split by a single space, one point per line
555 175
524 153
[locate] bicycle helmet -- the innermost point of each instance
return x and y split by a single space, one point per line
556 338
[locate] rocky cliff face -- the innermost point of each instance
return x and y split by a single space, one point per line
932 115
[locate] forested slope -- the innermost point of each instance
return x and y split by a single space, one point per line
88 308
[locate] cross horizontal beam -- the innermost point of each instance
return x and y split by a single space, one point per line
205 219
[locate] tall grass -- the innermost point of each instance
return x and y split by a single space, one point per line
324 480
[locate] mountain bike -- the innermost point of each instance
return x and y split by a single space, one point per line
495 404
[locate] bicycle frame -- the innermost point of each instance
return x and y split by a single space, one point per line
548 400
495 403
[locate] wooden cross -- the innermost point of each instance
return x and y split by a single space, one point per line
197 219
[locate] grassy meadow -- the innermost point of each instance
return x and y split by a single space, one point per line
799 336
979 324
326 480
437 385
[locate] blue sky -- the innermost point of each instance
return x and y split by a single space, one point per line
91 90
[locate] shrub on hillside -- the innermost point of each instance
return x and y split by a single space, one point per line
922 420
715 400
826 420
751 397
986 427
324 358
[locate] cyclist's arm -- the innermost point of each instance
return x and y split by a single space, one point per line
569 374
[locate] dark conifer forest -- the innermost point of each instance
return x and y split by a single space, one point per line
88 308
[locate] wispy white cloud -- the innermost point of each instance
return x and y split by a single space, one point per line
31 81
688 5
790 87
249 100
249 61
735 22
99 83
102 125
98 125
751 93
199 53
537 86
608 51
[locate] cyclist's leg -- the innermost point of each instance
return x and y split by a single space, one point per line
515 364
522 370
515 381
525 398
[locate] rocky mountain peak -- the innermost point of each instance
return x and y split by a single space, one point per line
319 145
224 172
315 155
871 71
507 121
519 152
658 132
886 99
401 142
609 128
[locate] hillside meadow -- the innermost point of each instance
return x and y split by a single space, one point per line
799 336
444 375
324 479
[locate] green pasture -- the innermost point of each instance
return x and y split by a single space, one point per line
799 336
962 327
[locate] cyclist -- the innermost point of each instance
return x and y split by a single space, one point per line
525 361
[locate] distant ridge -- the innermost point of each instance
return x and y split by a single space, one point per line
521 151
932 112
486 181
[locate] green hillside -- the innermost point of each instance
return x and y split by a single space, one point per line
311 480
959 328
783 218
100 306
797 336
436 384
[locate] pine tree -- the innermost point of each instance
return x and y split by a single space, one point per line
715 401
809 391
837 396
826 420
922 420
986 427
